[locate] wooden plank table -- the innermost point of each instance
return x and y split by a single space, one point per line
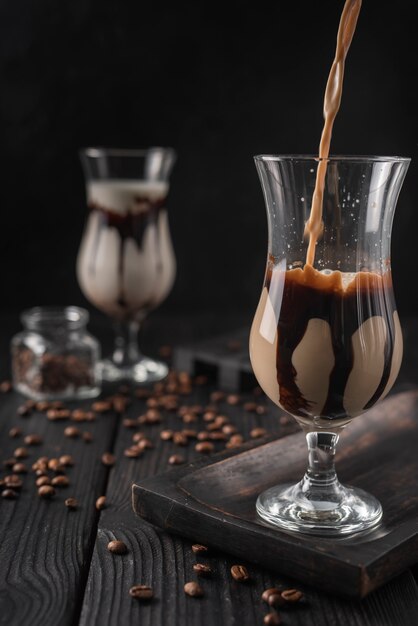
55 566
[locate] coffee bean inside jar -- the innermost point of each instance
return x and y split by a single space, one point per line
55 356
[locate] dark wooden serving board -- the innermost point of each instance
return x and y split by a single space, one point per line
213 502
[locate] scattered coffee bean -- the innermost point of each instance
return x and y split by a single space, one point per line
233 399
204 447
141 592
78 415
71 503
179 439
55 466
217 396
240 573
87 437
255 433
133 452
129 423
272 619
193 589
203 435
46 491
66 459
33 440
292 595
270 592
6 386
15 432
218 436
20 468
13 481
261 410
176 459
23 410
119 404
9 494
202 569
60 481
285 420
209 416
101 503
275 599
108 459
229 429
166 435
72 432
251 407
21 453
199 548
145 444
42 406
138 437
55 415
43 480
117 547
153 416
101 406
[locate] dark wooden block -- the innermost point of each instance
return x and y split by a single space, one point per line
224 358
213 502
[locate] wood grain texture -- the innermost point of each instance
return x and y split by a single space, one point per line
45 549
165 561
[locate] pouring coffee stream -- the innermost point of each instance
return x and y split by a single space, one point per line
332 100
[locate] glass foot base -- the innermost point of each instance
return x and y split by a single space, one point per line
337 511
146 370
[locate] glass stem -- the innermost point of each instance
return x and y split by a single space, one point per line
321 478
126 352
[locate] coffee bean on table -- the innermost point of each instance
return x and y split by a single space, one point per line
33 440
292 595
87 437
60 481
43 480
71 503
272 619
46 491
255 433
72 432
202 569
199 548
176 459
21 453
20 468
133 452
23 410
240 573
9 494
108 459
13 481
193 589
117 547
15 432
272 591
66 459
101 406
204 447
141 592
101 503
6 386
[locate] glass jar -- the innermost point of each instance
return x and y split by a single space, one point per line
55 357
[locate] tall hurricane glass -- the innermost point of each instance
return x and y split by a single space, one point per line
326 341
126 264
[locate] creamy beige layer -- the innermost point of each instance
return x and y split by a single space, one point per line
119 196
313 359
148 271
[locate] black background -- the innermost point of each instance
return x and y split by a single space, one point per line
219 83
